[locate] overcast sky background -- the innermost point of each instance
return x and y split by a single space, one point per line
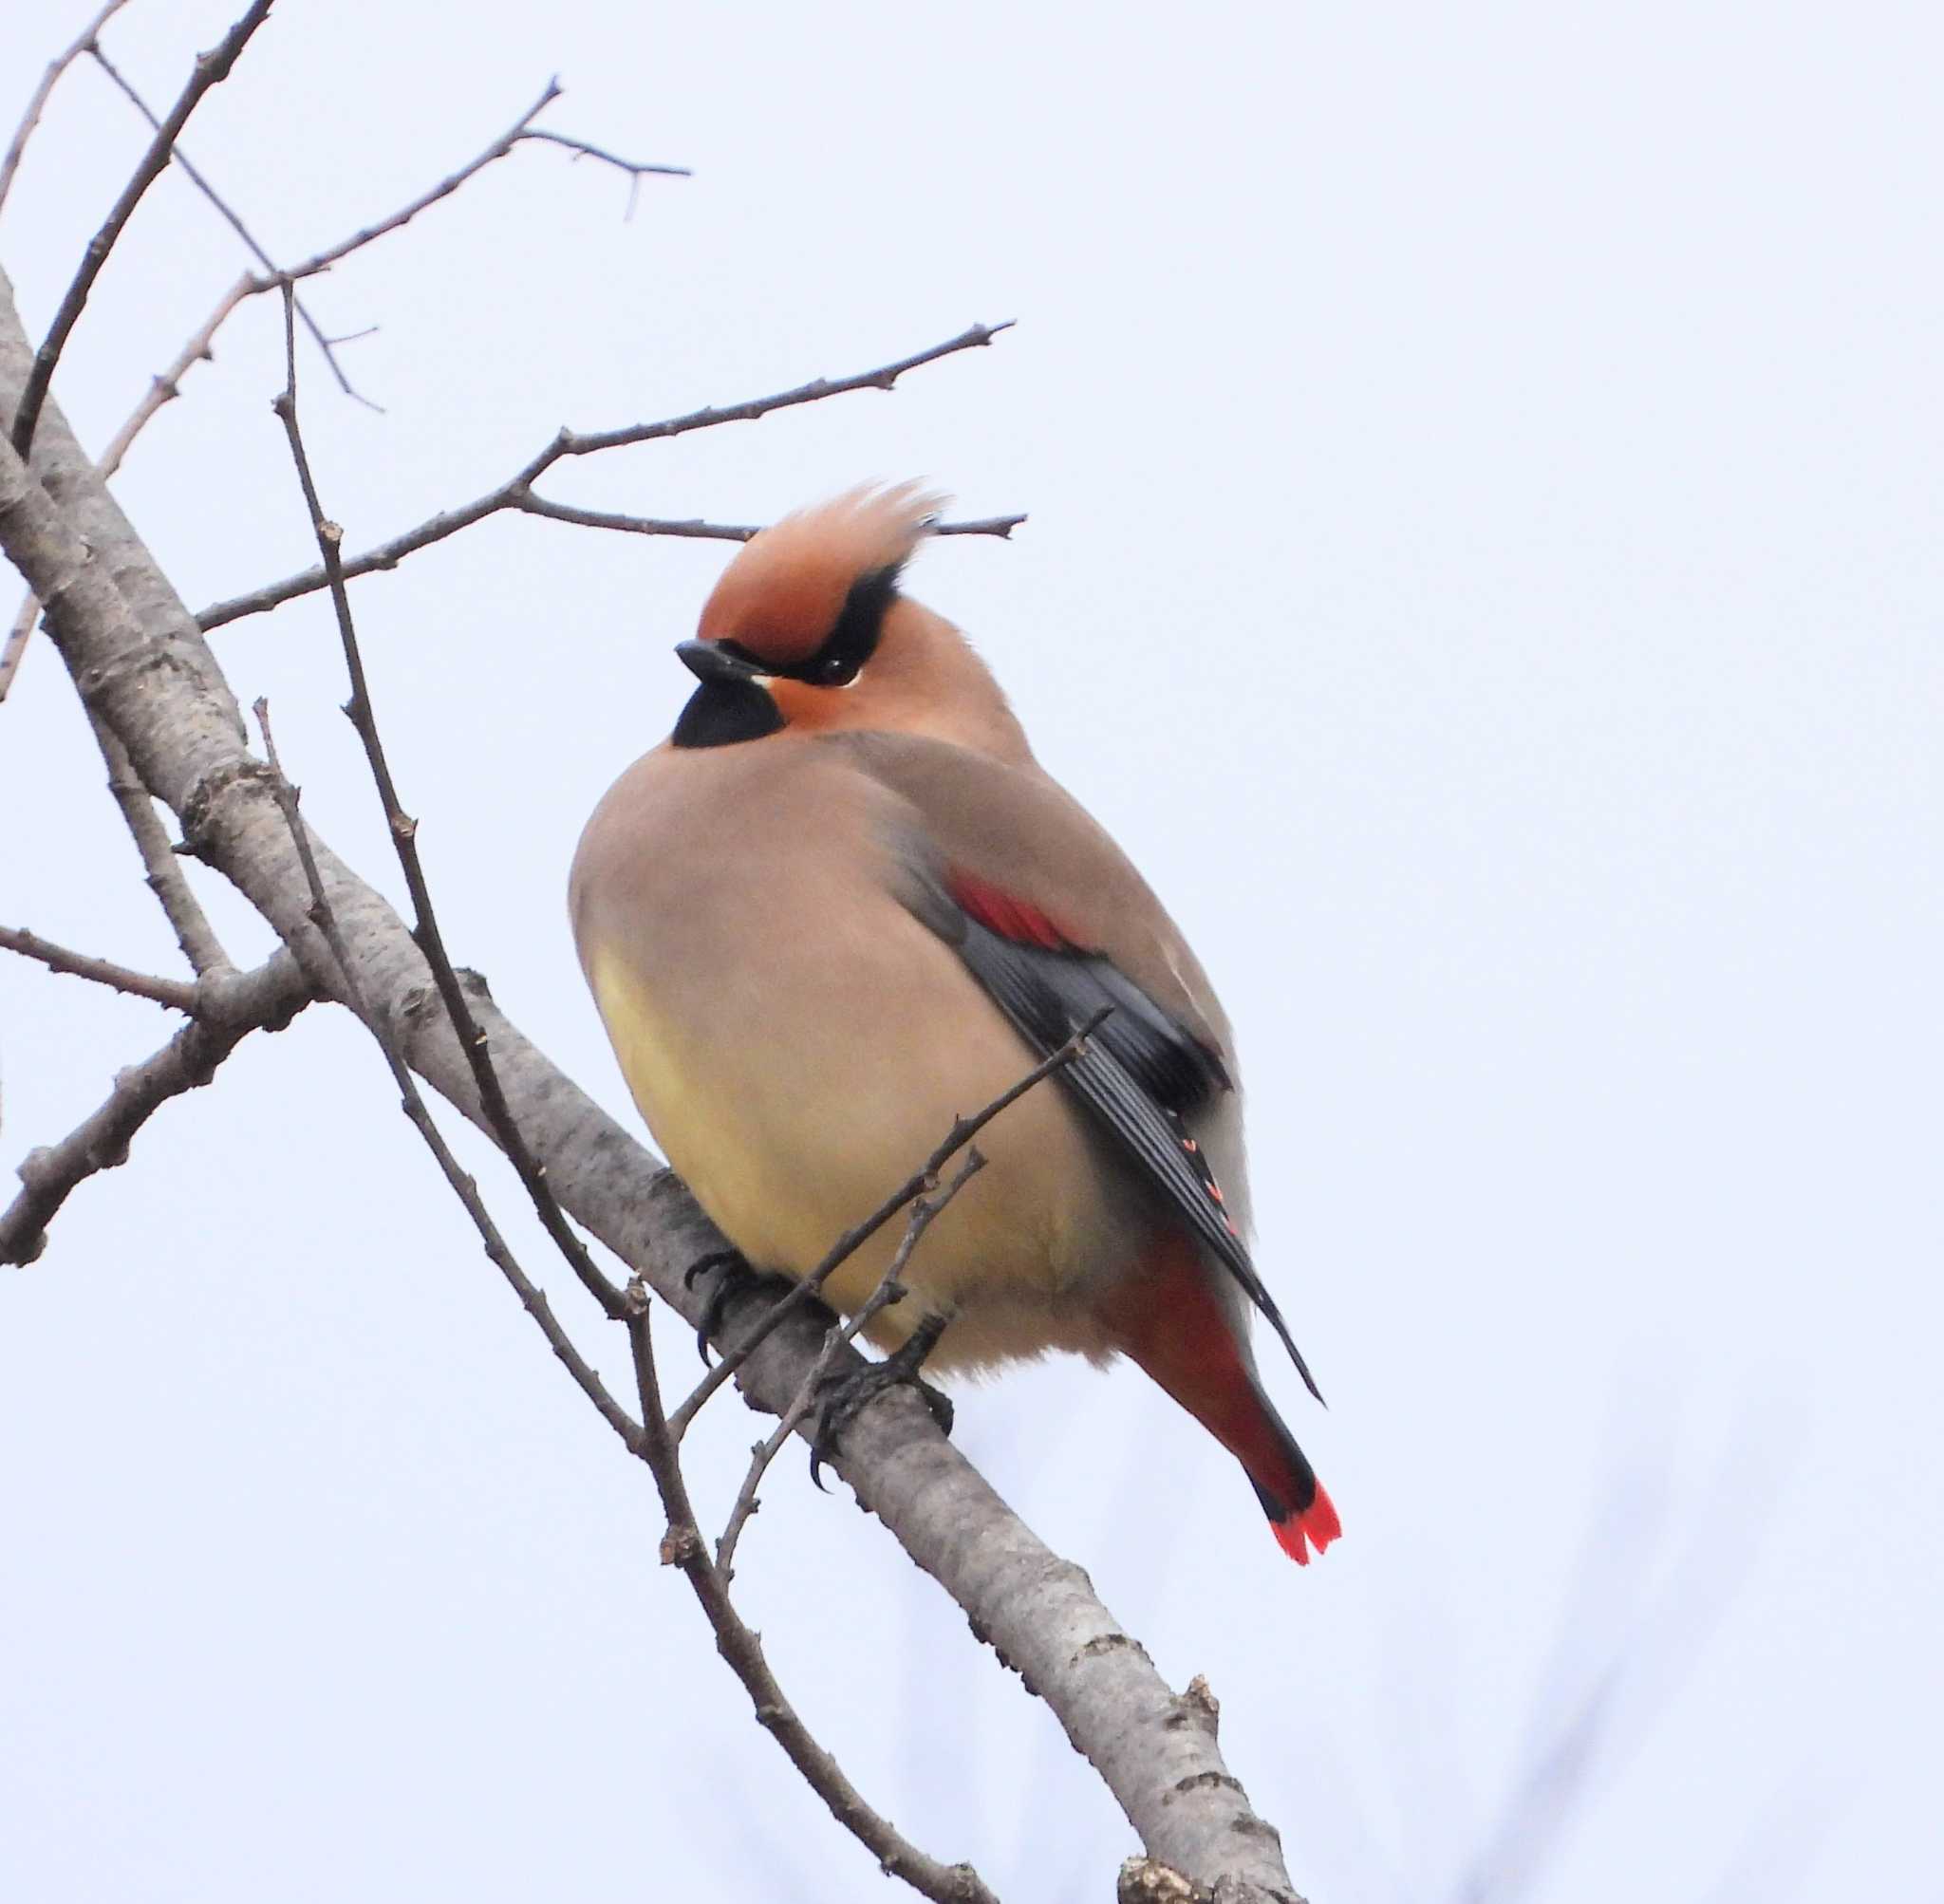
1484 564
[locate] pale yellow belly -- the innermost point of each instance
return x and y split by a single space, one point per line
792 1126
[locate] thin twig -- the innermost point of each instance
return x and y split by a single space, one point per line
530 504
167 386
512 494
922 1179
411 1101
230 216
175 993
212 69
49 80
162 869
683 1546
228 1009
403 831
636 172
890 1289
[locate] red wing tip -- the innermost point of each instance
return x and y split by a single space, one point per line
1315 1525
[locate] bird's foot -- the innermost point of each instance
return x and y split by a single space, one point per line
849 1394
735 1278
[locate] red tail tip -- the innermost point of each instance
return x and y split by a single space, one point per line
1318 1524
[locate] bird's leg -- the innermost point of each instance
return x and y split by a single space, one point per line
735 1278
851 1393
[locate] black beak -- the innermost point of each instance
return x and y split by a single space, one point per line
711 661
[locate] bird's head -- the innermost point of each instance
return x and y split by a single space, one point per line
807 631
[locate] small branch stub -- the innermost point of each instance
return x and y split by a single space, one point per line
1146 1880
1200 1700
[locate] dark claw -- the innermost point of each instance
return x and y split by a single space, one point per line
736 1280
717 1259
735 1274
852 1392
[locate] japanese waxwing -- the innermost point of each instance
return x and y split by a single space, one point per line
842 904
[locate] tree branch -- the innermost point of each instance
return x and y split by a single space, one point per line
212 69
404 838
636 172
229 216
526 503
514 493
177 996
228 1010
134 657
890 1289
165 387
684 1548
162 871
49 80
412 1102
518 132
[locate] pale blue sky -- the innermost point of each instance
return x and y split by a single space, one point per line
1484 564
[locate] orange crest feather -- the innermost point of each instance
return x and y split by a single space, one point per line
781 597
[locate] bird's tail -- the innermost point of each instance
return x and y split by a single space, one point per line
1170 1320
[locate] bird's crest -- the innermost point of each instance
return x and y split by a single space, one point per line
781 597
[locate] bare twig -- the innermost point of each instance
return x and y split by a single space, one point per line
404 830
890 1289
530 504
163 870
228 1010
518 132
212 69
230 216
921 1181
49 80
512 493
174 993
636 172
412 1102
683 1546
167 386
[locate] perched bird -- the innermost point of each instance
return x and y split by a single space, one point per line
841 905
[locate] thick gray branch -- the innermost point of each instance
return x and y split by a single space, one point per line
138 661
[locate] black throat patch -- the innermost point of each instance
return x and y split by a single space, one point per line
720 713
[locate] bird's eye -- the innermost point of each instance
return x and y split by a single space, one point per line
836 671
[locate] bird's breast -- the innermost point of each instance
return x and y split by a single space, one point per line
798 1042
